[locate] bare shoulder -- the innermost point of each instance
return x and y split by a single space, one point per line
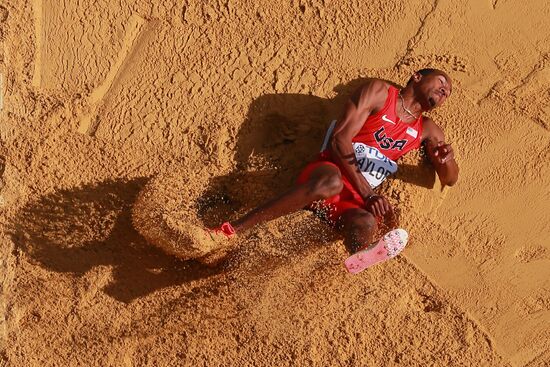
431 131
376 84
372 94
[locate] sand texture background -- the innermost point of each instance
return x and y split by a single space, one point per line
100 96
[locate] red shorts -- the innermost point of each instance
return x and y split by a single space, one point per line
332 208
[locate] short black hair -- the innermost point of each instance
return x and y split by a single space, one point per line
422 72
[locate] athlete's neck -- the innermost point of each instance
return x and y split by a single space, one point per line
409 105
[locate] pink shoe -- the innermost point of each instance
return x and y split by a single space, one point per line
389 246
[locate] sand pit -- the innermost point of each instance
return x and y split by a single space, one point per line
104 100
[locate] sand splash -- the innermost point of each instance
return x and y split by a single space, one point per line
166 214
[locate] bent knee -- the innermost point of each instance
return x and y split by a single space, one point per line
361 219
326 186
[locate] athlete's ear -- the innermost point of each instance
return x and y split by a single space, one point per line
416 77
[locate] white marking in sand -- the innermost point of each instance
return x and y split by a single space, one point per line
38 15
134 30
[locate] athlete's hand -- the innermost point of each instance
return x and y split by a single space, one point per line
378 205
443 152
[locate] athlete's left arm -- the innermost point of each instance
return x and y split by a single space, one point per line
439 152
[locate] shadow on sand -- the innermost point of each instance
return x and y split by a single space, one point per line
286 131
72 231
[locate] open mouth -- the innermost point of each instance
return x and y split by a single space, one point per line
431 101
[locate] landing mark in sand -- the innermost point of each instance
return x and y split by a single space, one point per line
415 39
531 95
38 16
135 26
534 82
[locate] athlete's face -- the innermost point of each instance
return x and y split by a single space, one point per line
432 89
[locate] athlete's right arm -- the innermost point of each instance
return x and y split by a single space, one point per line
365 101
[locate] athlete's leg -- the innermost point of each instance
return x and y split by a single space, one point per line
358 227
324 181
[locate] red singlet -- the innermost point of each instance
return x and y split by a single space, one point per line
381 141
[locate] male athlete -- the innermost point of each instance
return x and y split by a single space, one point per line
380 124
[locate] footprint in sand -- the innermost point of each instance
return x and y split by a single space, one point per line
3 14
527 254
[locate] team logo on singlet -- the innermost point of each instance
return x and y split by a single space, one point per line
385 142
385 118
373 164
